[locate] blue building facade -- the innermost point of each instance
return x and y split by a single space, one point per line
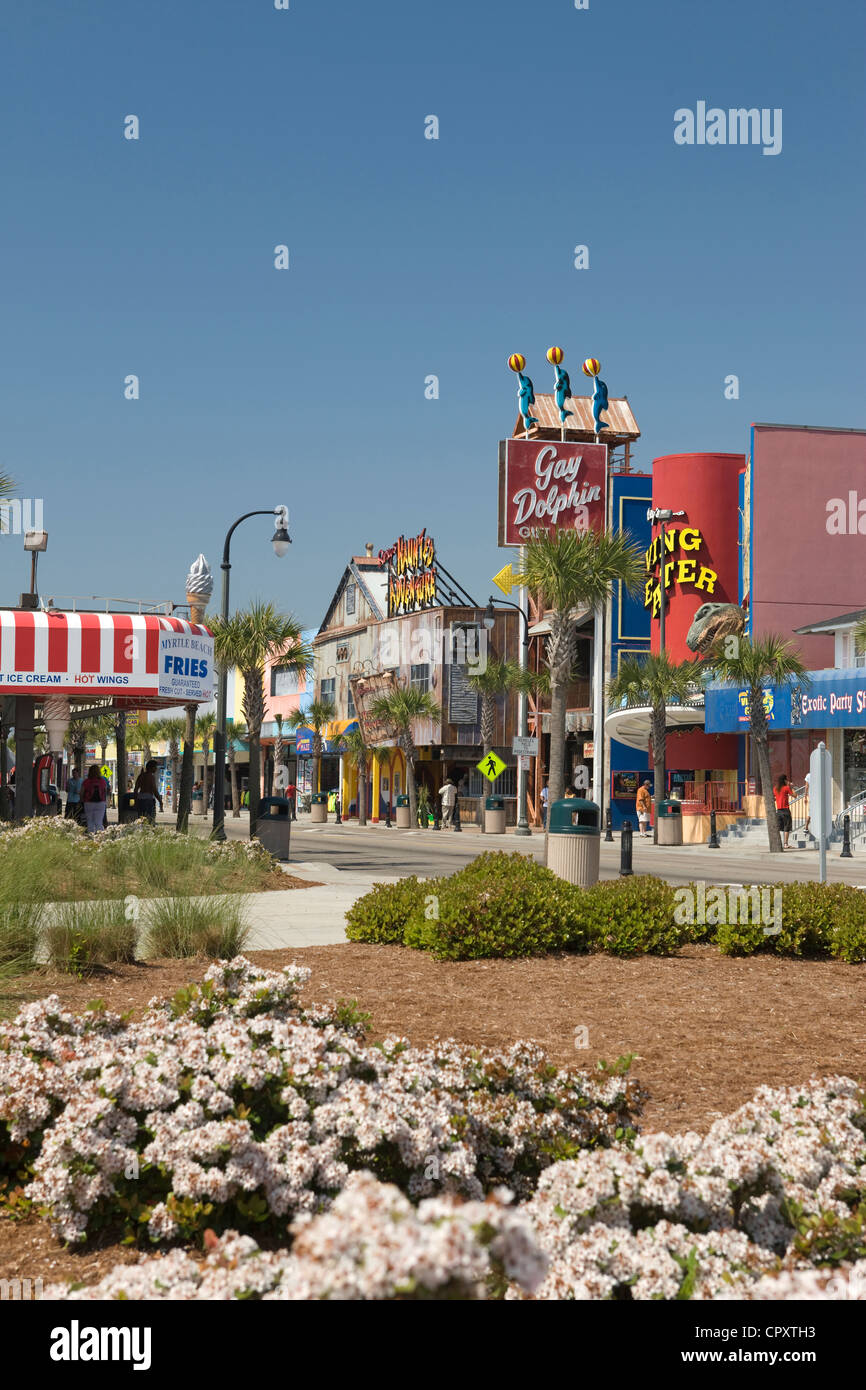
631 496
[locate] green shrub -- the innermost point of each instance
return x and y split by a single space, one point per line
499 905
382 914
83 936
817 919
215 927
632 916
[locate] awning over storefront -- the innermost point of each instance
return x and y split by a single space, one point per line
826 700
139 661
632 725
304 737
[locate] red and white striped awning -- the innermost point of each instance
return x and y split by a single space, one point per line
139 660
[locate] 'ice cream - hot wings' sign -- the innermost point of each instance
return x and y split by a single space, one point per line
545 486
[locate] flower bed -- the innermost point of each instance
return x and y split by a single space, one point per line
395 1172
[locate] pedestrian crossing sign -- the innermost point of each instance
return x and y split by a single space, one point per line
491 766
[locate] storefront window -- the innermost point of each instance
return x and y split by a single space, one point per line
328 689
855 763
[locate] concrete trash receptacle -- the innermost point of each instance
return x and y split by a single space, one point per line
402 814
494 815
272 826
574 841
319 808
197 802
670 823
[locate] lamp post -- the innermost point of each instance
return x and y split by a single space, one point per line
522 827
281 540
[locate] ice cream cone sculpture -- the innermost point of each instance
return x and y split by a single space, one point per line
199 587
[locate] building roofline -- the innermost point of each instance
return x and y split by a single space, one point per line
811 429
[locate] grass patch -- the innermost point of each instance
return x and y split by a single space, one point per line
19 935
85 936
217 927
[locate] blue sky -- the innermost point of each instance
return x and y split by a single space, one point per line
408 257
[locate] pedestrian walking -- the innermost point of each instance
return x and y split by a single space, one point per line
147 792
545 797
643 805
73 796
782 795
448 793
93 796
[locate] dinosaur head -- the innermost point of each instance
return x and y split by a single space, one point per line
713 621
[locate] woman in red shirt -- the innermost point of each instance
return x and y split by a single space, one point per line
782 793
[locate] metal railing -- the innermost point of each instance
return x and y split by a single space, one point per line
856 810
98 603
725 796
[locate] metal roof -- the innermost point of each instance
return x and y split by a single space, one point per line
622 422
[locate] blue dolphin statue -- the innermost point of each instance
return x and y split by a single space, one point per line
526 397
599 403
562 390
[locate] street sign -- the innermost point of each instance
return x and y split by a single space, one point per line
524 762
106 771
504 580
527 746
491 766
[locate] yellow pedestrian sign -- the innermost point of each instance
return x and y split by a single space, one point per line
504 580
491 766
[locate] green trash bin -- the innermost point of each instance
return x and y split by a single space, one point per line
670 823
402 820
319 808
574 840
494 815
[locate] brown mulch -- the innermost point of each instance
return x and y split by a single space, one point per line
706 1029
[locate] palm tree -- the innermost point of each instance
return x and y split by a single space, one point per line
186 768
103 730
351 744
768 660
401 709
140 735
171 730
572 572
656 681
247 640
497 678
204 727
316 717
236 732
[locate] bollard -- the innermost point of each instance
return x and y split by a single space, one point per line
437 814
625 846
713 841
388 813
608 826
455 818
338 819
846 838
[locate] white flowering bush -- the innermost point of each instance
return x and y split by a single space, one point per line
232 1106
371 1244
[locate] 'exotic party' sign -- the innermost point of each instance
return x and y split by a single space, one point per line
547 486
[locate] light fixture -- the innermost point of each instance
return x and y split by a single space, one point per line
281 540
490 615
35 540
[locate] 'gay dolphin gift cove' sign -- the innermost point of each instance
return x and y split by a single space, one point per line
546 486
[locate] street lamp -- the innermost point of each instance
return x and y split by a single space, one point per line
661 515
34 541
280 540
489 620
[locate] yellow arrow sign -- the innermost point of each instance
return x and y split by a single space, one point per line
491 766
504 580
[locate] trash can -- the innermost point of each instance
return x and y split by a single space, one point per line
272 826
574 840
319 808
670 823
494 815
402 822
126 808
197 802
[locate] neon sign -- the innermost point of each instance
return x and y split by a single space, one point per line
411 574
680 571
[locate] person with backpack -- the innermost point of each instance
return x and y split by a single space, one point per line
94 797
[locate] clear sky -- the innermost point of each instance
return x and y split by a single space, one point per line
408 257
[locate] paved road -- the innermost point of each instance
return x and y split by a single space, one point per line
374 849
